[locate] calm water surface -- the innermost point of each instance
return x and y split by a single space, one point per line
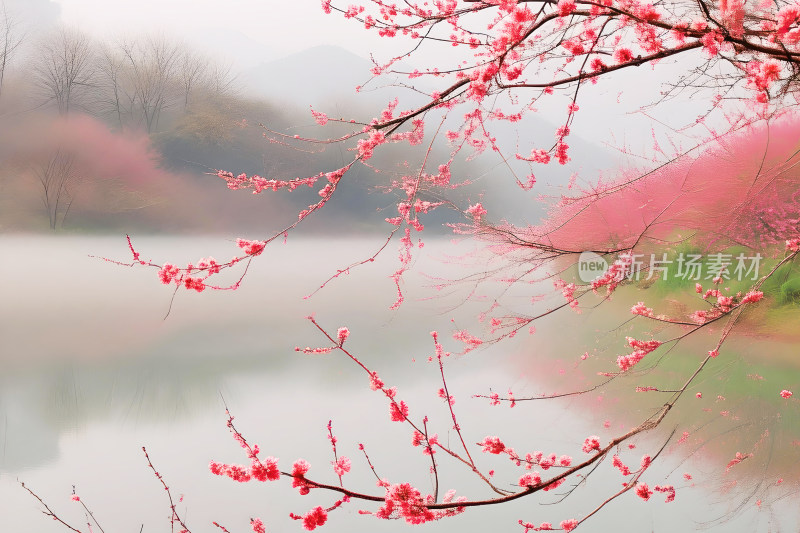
91 371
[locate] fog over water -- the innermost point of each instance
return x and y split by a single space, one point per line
92 371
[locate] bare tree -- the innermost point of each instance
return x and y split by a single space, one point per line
63 69
114 91
192 70
10 40
153 67
56 174
138 81
219 81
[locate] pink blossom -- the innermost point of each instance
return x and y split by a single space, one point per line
448 397
477 211
299 470
398 412
786 393
194 283
342 334
732 12
341 466
315 517
257 525
375 382
321 118
368 145
623 55
568 291
471 341
615 274
548 462
641 309
569 525
591 444
752 297
405 501
725 301
760 75
597 64
555 484
235 472
565 7
619 465
251 247
669 490
641 348
265 470
530 480
712 42
168 273
561 153
646 461
493 445
433 440
787 16
643 491
738 458
209 264
538 156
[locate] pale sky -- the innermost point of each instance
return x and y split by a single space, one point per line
285 26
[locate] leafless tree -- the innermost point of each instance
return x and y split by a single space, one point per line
10 40
219 80
139 81
114 90
153 66
56 174
64 69
192 70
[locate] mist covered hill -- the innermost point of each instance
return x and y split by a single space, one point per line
116 161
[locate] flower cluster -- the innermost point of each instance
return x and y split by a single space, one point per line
404 501
266 470
591 444
641 348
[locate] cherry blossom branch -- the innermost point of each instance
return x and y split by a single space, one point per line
448 398
431 452
174 516
49 512
398 410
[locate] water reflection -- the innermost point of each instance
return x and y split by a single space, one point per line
91 371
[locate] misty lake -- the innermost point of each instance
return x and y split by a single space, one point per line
91 371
